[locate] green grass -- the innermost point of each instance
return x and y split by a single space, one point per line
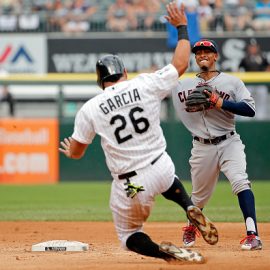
223 205
83 201
69 201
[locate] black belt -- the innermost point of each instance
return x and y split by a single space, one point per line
216 140
133 173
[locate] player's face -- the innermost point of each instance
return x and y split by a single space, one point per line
206 59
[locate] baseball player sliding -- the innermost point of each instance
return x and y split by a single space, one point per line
126 116
206 105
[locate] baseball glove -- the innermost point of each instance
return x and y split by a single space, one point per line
200 99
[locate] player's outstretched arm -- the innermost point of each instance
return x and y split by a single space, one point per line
240 108
177 17
72 148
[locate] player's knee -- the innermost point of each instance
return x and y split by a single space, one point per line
240 186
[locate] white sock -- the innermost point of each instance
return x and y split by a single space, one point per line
250 225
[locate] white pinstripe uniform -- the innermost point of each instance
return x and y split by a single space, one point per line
126 116
208 159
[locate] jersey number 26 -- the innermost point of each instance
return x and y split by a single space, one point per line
140 124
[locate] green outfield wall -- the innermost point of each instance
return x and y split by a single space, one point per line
255 135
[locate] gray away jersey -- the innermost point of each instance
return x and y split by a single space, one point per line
126 116
214 122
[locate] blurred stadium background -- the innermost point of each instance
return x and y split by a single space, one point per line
48 51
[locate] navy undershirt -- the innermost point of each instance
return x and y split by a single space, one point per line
240 108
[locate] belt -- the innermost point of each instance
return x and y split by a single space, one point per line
133 173
216 140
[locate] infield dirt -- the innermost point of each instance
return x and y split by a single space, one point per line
17 238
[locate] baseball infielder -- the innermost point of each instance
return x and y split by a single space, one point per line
216 145
126 116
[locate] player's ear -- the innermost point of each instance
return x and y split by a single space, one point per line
125 74
216 57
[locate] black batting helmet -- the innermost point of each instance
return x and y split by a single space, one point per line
109 68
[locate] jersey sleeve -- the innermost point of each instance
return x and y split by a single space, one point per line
162 81
83 128
242 94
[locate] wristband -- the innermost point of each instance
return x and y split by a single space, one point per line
182 32
219 103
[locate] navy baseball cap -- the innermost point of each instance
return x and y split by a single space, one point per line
205 44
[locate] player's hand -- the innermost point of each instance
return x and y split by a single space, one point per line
65 149
176 16
214 99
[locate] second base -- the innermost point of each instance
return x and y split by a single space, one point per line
60 245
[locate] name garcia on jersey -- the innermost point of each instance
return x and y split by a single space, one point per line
120 100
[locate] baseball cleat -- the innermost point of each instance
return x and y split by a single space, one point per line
189 236
182 255
203 224
251 242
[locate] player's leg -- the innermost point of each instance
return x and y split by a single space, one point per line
235 170
204 172
129 230
204 175
141 243
178 194
247 204
129 214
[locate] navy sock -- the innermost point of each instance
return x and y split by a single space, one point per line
247 204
